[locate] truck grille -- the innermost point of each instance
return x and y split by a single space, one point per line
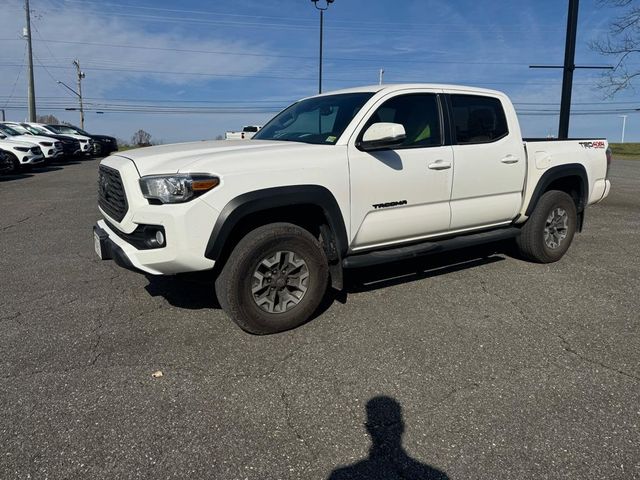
111 195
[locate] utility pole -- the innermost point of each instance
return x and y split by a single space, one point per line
81 75
568 69
31 89
381 76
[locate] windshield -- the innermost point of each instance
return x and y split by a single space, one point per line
8 130
79 131
318 120
62 129
20 129
36 130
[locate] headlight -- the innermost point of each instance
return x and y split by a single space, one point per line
46 144
177 188
22 149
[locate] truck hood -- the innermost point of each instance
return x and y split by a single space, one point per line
219 157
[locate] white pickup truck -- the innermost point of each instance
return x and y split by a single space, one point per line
247 133
345 179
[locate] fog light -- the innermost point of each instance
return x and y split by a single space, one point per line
160 238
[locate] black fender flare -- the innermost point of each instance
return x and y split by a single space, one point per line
268 198
557 173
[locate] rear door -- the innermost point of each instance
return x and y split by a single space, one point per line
490 163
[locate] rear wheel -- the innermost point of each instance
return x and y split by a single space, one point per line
548 233
274 280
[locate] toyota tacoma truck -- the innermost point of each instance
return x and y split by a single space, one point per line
346 179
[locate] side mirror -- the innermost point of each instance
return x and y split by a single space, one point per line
382 136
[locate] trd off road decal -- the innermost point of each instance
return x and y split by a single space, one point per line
594 144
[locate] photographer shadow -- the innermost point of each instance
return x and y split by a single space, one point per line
387 458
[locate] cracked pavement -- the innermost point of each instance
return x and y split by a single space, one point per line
502 368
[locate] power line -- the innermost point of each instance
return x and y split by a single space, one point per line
15 83
297 20
277 77
241 104
268 55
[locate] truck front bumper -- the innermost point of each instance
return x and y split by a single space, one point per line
106 249
167 260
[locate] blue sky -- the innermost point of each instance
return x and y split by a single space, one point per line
246 59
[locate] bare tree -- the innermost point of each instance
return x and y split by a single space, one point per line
623 43
141 138
48 119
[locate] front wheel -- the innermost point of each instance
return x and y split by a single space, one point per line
548 233
274 279
15 164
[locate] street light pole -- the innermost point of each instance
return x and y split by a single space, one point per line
624 124
315 4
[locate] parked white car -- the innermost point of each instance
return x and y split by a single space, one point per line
22 154
51 148
346 179
86 143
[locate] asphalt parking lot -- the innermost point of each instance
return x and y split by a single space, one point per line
473 366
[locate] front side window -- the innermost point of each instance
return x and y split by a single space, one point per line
419 114
478 119
318 120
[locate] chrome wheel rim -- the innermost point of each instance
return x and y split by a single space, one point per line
556 228
280 281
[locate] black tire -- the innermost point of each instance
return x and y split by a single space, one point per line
235 283
532 243
17 168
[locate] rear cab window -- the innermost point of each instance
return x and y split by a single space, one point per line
478 119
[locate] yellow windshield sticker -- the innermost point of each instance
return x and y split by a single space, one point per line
331 139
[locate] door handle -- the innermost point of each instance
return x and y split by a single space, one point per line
439 165
510 159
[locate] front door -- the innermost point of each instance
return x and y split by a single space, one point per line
402 194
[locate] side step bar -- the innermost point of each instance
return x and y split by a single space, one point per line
428 248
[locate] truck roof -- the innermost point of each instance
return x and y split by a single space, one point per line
405 86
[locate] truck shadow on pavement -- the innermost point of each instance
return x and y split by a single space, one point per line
387 458
196 291
407 271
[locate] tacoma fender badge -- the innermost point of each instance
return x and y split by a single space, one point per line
377 206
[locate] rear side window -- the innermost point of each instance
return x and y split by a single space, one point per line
478 119
418 113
